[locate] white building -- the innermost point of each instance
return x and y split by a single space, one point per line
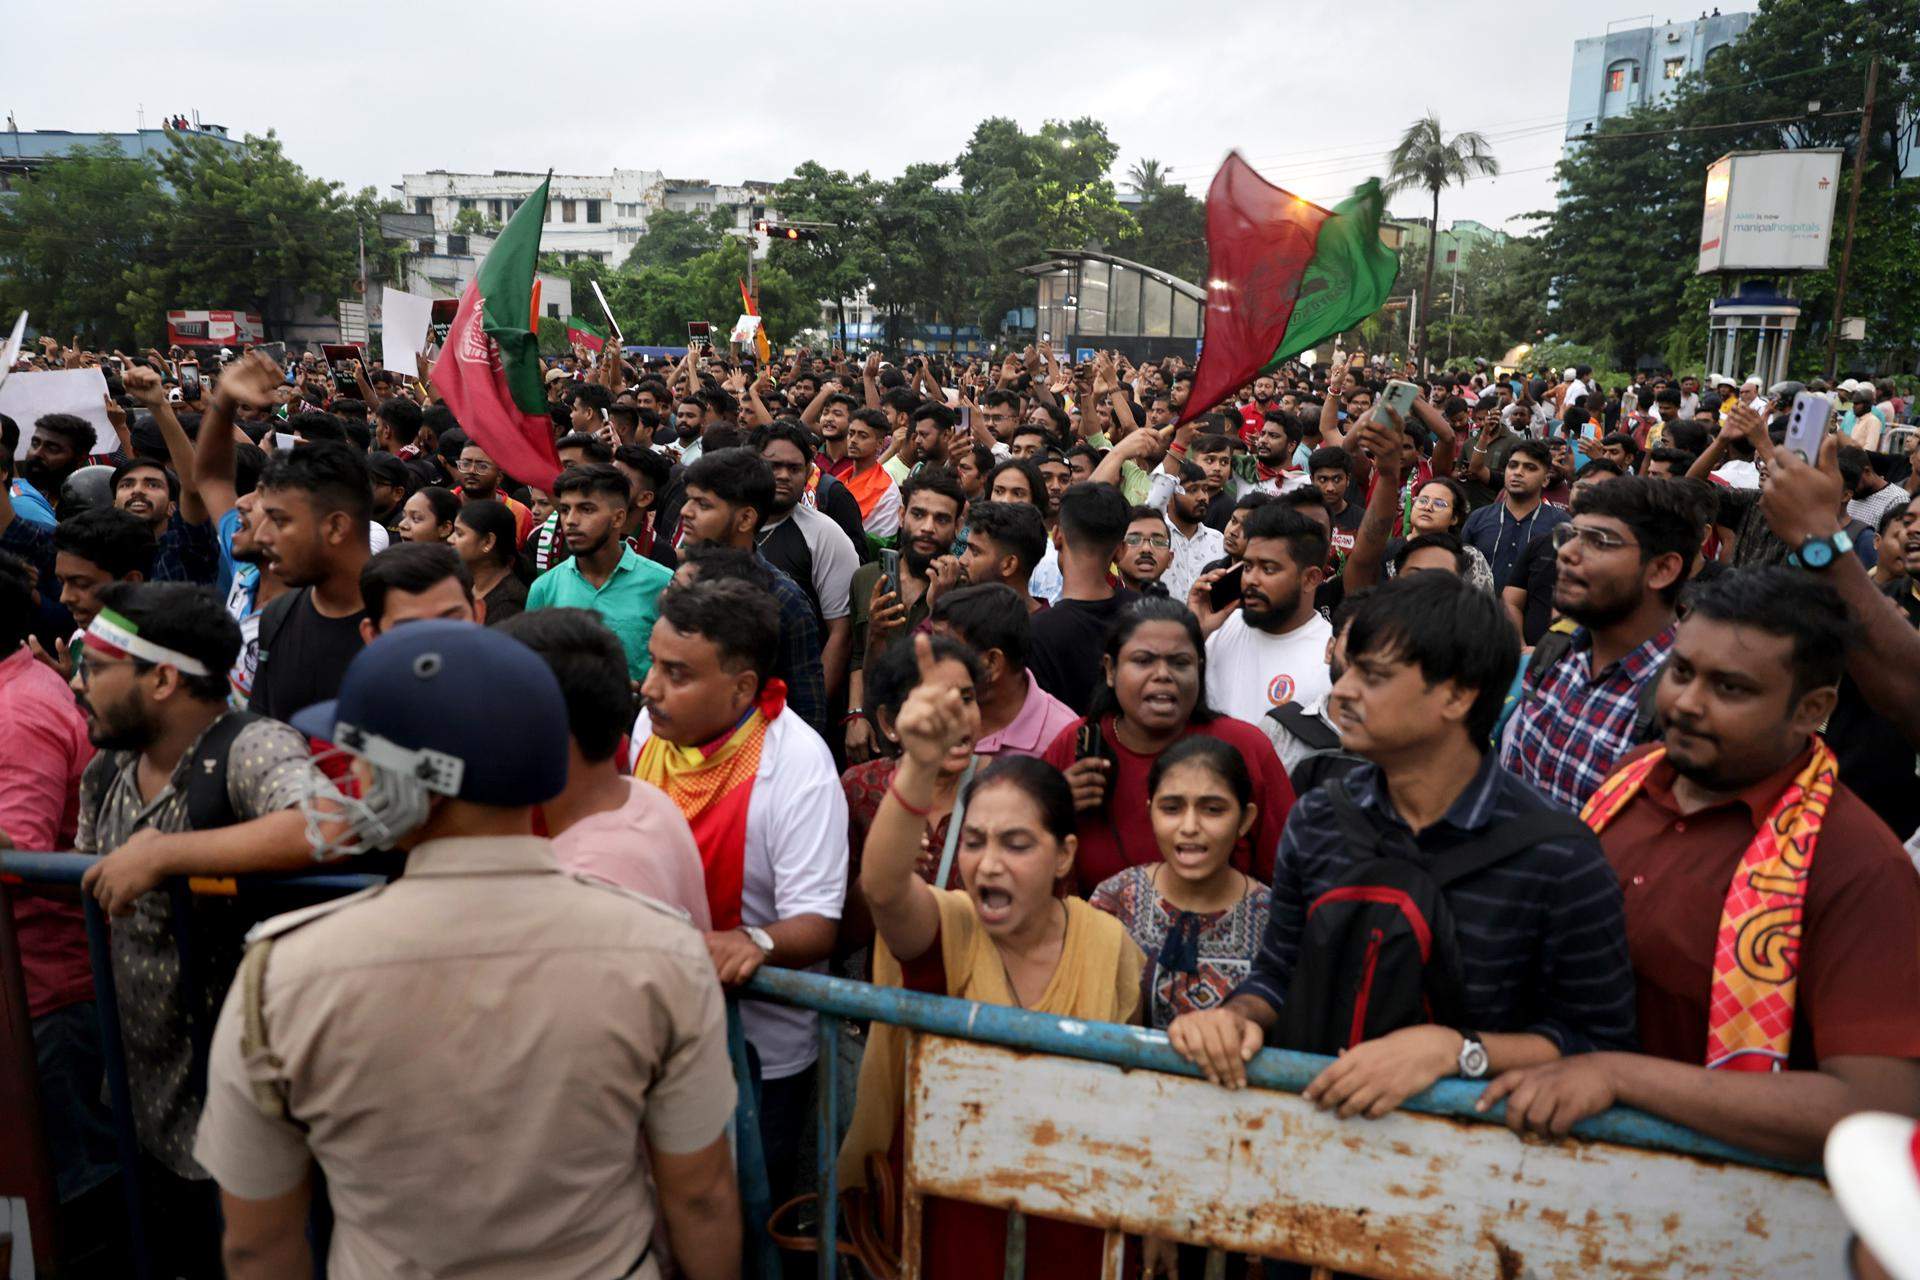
592 216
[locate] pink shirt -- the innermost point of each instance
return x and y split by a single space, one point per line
645 845
1042 717
43 751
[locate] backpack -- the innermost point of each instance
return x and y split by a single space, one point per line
1324 760
1377 950
208 803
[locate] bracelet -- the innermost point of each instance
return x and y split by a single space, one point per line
854 713
901 800
1177 450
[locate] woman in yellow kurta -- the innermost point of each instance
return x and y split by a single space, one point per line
1007 936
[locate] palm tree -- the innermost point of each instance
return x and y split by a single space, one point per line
1426 158
1147 178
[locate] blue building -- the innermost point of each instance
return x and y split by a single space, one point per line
24 150
1641 66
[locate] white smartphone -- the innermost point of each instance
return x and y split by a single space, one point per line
1399 396
1807 425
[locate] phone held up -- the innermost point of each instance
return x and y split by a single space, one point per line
1090 744
890 571
1226 588
189 380
1807 425
1399 397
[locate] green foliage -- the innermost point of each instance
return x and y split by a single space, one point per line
839 261
71 240
472 222
1502 300
104 244
552 333
1624 237
674 238
1173 233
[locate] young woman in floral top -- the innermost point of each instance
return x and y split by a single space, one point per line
1198 920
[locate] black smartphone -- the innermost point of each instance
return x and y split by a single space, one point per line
1090 744
1226 588
189 380
890 570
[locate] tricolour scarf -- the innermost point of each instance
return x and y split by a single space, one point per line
1756 961
712 786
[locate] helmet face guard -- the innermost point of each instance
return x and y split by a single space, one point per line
394 802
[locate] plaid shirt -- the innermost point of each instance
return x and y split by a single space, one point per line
800 642
1574 725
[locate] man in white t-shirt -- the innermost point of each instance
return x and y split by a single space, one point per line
759 790
1271 647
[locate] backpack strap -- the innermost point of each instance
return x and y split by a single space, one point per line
1504 841
1309 729
208 803
1362 836
1646 713
1552 647
274 617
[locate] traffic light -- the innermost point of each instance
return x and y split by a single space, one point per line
781 231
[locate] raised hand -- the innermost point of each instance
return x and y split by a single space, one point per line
933 720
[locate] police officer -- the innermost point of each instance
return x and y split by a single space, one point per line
472 1053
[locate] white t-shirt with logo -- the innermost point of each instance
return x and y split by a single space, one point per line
1250 672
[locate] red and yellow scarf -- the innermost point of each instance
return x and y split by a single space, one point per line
712 785
1756 961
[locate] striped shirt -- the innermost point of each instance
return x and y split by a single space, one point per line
1574 724
1542 936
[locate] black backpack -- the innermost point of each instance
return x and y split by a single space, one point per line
1324 760
1377 950
208 803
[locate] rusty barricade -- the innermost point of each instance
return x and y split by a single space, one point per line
1106 1126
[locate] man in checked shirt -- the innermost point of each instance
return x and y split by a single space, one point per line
1623 559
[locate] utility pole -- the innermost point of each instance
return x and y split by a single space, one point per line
1861 143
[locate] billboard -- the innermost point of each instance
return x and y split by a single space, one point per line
1769 211
214 328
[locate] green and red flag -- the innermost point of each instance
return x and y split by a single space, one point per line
585 333
489 371
1283 275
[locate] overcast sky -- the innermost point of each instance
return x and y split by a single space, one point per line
363 92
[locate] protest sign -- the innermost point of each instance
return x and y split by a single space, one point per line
28 397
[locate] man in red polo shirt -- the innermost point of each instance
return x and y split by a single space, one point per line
1773 920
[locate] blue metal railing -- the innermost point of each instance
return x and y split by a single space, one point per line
837 1001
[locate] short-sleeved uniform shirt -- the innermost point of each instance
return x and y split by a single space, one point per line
1858 990
268 767
629 600
473 1054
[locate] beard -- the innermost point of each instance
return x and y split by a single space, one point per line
918 562
1598 611
40 475
1262 616
123 726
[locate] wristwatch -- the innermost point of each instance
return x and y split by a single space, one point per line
1473 1057
761 938
1818 553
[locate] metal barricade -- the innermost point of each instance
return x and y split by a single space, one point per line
1106 1126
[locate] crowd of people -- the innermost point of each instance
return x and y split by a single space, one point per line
1546 734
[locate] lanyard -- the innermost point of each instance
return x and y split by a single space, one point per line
952 841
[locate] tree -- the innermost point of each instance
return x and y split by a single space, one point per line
837 263
249 228
1427 159
1172 233
674 238
1503 286
921 251
1031 192
472 222
74 238
1147 177
1625 234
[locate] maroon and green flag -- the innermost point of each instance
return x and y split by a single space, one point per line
489 370
585 333
1283 275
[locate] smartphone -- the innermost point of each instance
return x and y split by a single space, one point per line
189 380
1090 744
1630 402
1226 588
1399 396
1807 425
966 417
890 570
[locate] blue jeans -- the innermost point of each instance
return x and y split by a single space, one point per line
67 1054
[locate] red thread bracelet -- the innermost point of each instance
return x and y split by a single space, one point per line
901 800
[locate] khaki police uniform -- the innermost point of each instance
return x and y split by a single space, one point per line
473 1055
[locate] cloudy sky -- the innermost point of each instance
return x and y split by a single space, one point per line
363 91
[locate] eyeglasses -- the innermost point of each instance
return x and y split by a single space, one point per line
1158 541
1433 504
1591 539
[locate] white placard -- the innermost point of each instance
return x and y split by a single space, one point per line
404 320
744 328
608 312
27 397
10 350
